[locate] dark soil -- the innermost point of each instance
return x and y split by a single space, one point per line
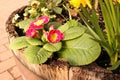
104 61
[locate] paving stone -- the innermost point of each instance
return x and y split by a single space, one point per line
7 46
15 72
4 40
20 78
6 76
7 64
4 34
5 55
2 48
8 70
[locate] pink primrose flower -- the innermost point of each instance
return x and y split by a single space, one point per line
38 24
31 32
55 36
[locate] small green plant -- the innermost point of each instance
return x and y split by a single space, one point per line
46 36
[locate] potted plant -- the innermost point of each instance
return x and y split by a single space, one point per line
66 39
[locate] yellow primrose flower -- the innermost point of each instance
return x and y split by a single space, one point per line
76 3
118 1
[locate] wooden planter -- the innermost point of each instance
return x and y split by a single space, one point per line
56 70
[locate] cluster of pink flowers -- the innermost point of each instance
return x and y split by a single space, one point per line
37 24
52 35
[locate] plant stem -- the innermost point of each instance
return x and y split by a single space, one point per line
70 17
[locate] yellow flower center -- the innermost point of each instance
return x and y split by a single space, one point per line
54 37
39 22
32 33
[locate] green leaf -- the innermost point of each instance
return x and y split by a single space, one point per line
56 24
95 27
34 41
64 27
56 2
73 23
25 24
58 10
53 47
72 29
68 24
19 43
80 51
37 55
74 32
115 66
49 6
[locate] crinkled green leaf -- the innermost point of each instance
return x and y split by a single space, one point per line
67 25
74 32
80 51
53 47
19 43
34 41
25 24
58 10
72 29
64 27
37 55
73 23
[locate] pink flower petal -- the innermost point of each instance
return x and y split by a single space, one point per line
31 32
55 36
33 26
38 24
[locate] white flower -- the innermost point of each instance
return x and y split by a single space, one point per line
15 18
44 9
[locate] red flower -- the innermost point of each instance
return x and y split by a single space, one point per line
31 32
38 24
54 36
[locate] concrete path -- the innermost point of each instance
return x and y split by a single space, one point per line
8 68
